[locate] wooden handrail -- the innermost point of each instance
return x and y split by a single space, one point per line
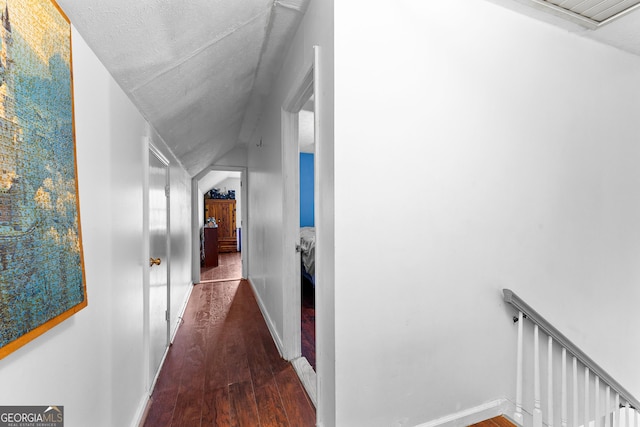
511 298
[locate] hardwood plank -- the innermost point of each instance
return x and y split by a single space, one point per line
500 421
188 410
270 407
236 357
161 409
216 408
224 368
220 302
243 404
259 363
215 371
171 372
299 408
276 361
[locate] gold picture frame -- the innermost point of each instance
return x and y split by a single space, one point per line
42 278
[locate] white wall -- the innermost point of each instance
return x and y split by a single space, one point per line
265 198
517 148
93 363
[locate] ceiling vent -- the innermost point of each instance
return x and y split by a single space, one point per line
591 13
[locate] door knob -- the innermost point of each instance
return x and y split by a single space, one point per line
153 262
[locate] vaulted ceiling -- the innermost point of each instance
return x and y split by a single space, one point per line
198 70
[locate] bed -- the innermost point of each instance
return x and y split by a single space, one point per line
308 253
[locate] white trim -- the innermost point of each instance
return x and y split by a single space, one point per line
195 220
267 319
140 412
301 91
146 340
195 231
324 239
183 308
307 376
496 408
167 183
233 279
158 154
291 236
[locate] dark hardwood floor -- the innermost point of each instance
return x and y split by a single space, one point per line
229 267
223 368
308 327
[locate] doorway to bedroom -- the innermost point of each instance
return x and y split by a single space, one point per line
306 147
301 215
220 226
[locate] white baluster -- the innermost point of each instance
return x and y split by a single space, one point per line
586 397
636 414
597 403
607 407
616 411
550 381
518 418
627 415
563 398
575 392
537 411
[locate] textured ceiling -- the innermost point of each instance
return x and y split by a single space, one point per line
198 70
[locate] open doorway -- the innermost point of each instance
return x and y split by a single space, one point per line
299 111
220 223
306 146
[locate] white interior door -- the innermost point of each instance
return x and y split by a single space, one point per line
158 270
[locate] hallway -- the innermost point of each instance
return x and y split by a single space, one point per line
223 368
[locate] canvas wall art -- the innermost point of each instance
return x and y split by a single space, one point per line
41 264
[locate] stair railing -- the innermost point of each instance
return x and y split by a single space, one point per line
591 399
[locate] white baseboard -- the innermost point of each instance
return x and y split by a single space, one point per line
265 314
308 377
181 313
140 412
474 415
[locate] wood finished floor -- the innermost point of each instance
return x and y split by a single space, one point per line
223 368
229 267
308 327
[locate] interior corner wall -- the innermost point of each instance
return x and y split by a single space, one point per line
514 150
93 363
265 198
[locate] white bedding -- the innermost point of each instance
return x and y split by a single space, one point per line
308 246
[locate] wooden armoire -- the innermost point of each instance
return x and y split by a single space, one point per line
224 211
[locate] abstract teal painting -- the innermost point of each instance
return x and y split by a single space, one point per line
42 278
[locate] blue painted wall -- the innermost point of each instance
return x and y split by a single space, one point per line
306 190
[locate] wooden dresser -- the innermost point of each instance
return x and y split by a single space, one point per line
224 211
210 247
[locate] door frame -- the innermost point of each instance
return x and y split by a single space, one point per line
151 150
197 206
304 86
